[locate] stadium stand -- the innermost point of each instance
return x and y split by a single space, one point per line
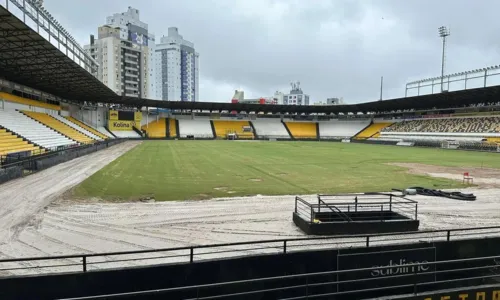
106 132
32 130
302 130
451 125
172 127
126 134
372 131
89 128
156 128
341 129
199 128
77 128
225 127
59 126
270 128
11 143
28 102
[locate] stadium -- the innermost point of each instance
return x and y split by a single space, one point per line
105 196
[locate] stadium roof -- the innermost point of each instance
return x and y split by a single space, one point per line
29 59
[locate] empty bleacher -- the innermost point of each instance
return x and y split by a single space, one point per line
199 128
372 131
172 127
28 102
11 143
131 134
341 129
59 126
156 128
302 130
225 127
89 128
77 128
105 132
32 130
270 128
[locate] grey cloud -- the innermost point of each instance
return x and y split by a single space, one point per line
335 48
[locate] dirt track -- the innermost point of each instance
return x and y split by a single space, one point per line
23 198
483 177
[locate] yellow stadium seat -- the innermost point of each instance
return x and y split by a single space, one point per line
372 131
225 127
29 102
156 129
60 127
11 143
87 127
172 128
302 130
493 139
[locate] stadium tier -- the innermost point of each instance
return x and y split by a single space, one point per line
270 128
450 125
25 102
105 132
172 127
77 128
302 130
341 129
372 131
197 128
241 129
98 134
59 126
126 134
33 131
156 128
472 129
11 143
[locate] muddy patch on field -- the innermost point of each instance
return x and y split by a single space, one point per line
482 177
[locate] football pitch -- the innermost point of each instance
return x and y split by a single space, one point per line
183 170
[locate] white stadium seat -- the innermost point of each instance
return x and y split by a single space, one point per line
270 128
33 130
104 131
341 129
78 128
126 134
200 128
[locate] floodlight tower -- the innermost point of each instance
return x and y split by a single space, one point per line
443 33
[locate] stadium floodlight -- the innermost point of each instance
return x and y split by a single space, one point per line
443 33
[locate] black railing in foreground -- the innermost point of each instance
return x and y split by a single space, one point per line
99 261
439 275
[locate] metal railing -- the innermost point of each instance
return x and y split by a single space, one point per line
420 277
343 207
149 257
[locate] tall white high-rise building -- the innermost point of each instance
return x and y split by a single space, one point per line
177 72
124 50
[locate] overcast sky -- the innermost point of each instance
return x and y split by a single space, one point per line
335 48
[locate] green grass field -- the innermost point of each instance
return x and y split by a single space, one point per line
176 170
